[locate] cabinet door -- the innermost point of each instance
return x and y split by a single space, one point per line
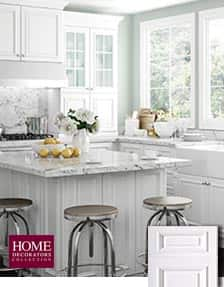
74 101
103 60
77 57
42 35
196 189
105 107
183 256
9 32
216 199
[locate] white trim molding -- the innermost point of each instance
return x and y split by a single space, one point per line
144 51
56 4
206 121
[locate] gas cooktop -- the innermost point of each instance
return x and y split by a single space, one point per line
19 137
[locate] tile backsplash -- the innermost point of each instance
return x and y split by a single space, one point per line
16 104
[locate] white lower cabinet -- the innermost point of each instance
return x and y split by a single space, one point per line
184 256
197 189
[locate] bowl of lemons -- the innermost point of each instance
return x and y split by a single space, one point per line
52 147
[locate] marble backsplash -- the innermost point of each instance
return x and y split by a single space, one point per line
16 104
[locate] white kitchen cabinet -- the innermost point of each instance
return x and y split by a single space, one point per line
75 101
105 107
184 256
91 65
42 35
197 188
31 34
9 32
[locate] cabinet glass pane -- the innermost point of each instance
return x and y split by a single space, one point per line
80 61
108 79
108 61
99 61
99 42
80 42
99 79
70 57
80 80
107 44
70 40
70 76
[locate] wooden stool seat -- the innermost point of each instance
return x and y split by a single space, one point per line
90 211
170 202
14 203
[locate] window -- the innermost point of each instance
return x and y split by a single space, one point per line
211 24
167 65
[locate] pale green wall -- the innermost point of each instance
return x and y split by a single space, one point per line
161 13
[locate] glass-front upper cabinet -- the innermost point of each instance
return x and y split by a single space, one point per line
77 57
103 59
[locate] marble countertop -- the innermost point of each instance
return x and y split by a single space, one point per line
97 161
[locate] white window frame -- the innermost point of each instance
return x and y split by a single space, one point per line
144 67
204 87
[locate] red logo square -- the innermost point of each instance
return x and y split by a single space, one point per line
31 251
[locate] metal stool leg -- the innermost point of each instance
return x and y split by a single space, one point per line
15 222
76 246
168 218
105 254
91 239
181 216
23 220
109 236
70 245
146 235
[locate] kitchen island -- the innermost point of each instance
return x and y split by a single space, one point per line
101 177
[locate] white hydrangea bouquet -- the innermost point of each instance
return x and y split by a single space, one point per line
79 123
77 120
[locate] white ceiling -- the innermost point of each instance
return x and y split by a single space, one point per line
121 6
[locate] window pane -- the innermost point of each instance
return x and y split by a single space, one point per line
216 72
180 40
160 99
181 103
108 44
99 42
181 73
159 76
80 61
159 45
70 59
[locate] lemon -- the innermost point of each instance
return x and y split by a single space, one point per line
43 152
57 141
56 152
50 141
76 152
67 153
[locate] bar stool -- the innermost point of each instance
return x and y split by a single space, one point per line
90 216
165 207
11 208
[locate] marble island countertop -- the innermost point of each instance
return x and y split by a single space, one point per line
97 161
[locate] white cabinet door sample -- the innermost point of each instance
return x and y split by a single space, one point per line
9 32
42 33
183 256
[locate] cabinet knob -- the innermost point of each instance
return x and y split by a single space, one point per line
17 55
23 55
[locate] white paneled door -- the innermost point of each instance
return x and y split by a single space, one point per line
42 35
9 32
183 256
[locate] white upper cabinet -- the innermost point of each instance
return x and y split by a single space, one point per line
42 38
9 32
91 66
31 34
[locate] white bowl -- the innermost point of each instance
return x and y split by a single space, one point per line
37 147
164 129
